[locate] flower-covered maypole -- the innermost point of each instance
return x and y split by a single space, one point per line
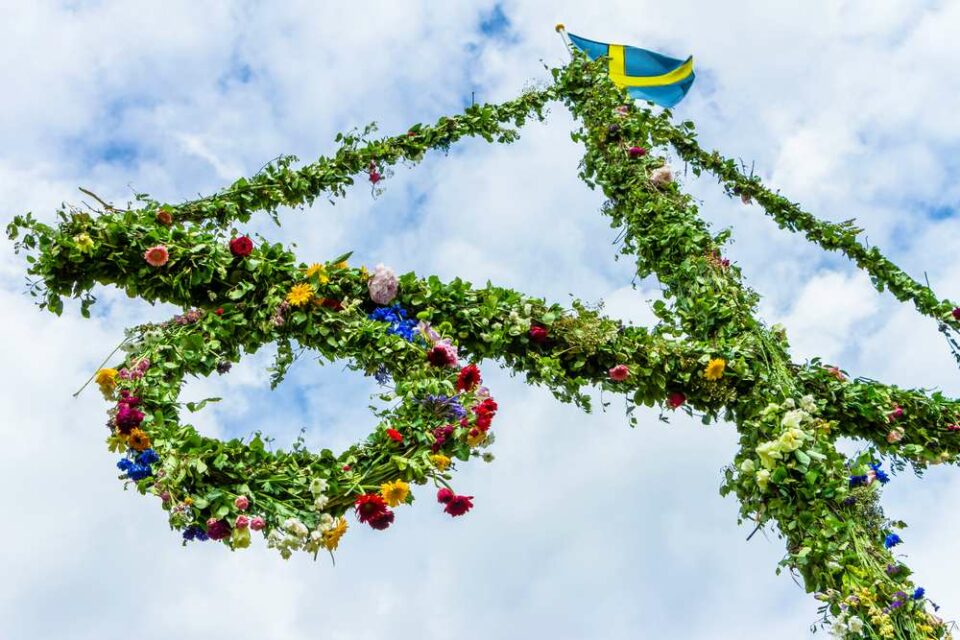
423 340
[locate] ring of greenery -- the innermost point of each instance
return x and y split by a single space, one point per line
218 488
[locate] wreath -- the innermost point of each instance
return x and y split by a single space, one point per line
709 354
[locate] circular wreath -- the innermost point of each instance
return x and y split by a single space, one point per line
298 499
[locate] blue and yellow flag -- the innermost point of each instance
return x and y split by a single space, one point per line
645 75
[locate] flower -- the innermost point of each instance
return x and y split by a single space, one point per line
395 435
919 593
106 379
332 535
195 532
896 414
661 176
84 242
164 217
147 457
382 520
383 285
443 354
241 246
675 399
128 418
395 492
217 529
219 311
956 313
469 378
459 505
539 334
375 177
300 294
318 270
440 461
836 373
257 523
242 503
242 522
858 481
891 540
368 506
879 473
138 440
476 437
444 495
636 152
895 435
953 427
619 373
763 478
156 256
714 370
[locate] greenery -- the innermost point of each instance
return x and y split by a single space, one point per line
709 353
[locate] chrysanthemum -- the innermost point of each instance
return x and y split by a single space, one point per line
300 294
138 440
319 270
331 536
714 370
395 492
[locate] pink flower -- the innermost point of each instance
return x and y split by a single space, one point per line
619 373
662 176
953 427
242 503
217 529
956 313
443 354
895 435
257 523
242 522
896 414
636 152
156 256
383 285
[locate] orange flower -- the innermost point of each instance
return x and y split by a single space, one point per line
138 440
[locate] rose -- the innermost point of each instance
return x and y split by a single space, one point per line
383 285
241 246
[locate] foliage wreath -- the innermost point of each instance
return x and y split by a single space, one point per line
709 353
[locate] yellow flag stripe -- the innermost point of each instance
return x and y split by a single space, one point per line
620 78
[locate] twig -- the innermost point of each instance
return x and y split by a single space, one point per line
106 205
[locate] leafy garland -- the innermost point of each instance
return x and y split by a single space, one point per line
708 354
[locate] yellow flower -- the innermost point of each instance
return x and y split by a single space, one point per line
138 440
440 461
300 294
395 492
319 270
714 370
364 274
331 536
107 380
188 501
84 243
341 265
476 439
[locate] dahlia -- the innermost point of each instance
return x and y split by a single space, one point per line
319 270
156 256
440 461
444 495
242 503
138 440
164 217
217 529
128 418
469 378
257 523
242 522
637 152
368 506
538 334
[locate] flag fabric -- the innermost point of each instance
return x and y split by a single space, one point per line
644 75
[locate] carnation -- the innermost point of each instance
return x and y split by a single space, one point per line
257 523
459 505
217 529
241 246
382 285
242 522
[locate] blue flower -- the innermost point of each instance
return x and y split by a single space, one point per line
881 474
139 472
148 457
382 375
919 593
858 481
195 532
396 317
125 464
891 540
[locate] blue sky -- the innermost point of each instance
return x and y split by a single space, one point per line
583 527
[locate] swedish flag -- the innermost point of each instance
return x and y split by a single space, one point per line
644 75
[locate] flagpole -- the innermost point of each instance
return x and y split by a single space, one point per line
562 30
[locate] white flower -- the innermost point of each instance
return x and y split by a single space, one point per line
855 624
383 285
662 176
793 419
296 528
789 403
327 521
320 502
791 439
748 466
763 477
808 404
318 486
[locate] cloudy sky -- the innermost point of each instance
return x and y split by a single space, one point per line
583 528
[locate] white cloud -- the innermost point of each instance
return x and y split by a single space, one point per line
583 528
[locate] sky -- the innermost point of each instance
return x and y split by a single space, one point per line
583 527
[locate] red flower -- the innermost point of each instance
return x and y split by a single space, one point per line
538 334
346 467
444 496
484 419
953 427
219 311
164 217
459 505
490 405
956 313
375 176
395 435
382 520
330 303
636 152
469 378
369 506
675 399
241 246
